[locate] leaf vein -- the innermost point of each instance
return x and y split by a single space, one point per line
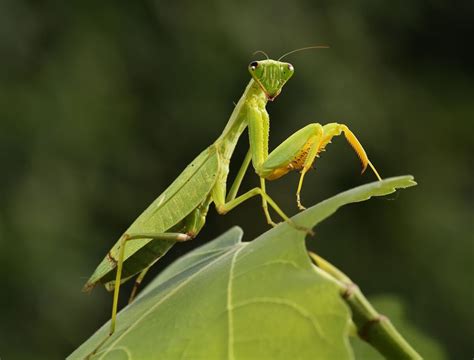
284 302
167 296
230 341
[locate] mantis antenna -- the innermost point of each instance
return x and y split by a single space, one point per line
261 52
304 48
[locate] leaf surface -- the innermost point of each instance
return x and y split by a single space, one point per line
241 300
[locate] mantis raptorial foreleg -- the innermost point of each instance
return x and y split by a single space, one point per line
328 132
299 151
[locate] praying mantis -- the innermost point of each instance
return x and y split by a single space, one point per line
179 213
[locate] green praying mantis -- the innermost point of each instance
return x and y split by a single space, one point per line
179 213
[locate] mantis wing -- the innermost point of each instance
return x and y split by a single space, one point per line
187 192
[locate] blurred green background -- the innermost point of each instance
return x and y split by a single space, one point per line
102 104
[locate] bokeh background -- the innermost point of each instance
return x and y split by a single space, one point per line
102 104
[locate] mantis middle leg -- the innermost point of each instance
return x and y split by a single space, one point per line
225 203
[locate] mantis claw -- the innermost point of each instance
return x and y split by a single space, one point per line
298 202
308 231
293 225
272 223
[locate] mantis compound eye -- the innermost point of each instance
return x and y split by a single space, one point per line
253 65
290 67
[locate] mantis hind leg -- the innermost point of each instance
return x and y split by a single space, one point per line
137 283
124 240
223 207
118 278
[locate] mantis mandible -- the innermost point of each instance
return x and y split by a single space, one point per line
179 213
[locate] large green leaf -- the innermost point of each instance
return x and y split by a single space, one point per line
241 300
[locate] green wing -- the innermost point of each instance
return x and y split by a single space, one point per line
188 191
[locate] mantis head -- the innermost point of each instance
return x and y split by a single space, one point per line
271 75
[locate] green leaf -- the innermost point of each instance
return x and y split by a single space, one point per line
241 300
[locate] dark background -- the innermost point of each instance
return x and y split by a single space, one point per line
102 104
